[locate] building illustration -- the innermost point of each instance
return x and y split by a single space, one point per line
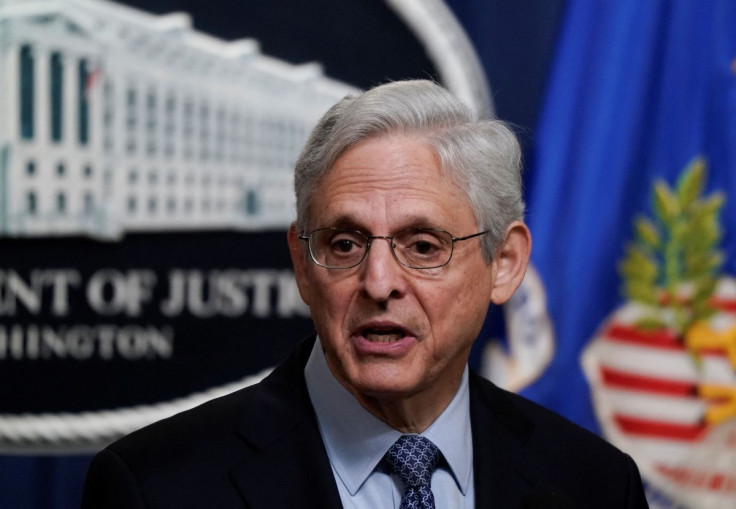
115 120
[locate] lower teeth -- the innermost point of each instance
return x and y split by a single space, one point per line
383 338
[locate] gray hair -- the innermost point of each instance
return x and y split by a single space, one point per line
482 157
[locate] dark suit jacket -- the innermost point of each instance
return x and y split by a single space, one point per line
261 448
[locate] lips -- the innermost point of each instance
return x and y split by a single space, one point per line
383 339
383 334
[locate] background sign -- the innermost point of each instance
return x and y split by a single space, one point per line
170 309
145 189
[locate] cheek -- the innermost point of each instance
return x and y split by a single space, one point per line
331 300
463 304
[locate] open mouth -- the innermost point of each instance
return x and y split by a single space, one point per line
383 335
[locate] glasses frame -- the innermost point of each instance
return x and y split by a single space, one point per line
390 238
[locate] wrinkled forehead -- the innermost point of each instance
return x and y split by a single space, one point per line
398 179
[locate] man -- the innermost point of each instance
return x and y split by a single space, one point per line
409 224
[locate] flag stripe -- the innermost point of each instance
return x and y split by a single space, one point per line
645 361
664 363
662 338
655 407
628 380
728 305
644 427
714 481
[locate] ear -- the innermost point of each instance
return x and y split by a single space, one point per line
298 252
511 261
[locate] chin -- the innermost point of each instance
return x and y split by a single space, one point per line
380 386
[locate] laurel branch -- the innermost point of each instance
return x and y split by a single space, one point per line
673 263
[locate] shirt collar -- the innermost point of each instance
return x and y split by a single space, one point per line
356 440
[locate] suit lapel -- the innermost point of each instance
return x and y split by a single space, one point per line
292 472
504 468
287 465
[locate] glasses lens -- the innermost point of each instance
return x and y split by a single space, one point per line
338 249
423 248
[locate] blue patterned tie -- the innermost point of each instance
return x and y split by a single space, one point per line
413 458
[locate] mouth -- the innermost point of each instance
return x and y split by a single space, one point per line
387 334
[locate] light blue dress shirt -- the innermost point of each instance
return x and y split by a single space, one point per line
356 441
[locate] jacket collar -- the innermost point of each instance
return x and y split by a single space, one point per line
288 464
505 467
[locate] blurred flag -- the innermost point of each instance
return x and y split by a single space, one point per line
638 91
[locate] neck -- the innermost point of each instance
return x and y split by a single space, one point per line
413 413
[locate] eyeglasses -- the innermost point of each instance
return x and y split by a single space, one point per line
416 248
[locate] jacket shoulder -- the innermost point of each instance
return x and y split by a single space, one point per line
550 455
194 454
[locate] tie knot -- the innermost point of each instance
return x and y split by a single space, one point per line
413 458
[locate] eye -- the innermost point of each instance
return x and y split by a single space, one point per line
423 246
343 245
345 242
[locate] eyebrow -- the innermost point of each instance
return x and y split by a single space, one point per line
350 222
346 221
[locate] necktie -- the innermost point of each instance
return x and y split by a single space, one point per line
413 458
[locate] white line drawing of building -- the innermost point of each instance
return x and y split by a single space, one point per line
114 120
98 171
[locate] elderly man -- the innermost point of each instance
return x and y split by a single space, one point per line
409 225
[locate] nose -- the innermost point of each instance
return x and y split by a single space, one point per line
383 275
